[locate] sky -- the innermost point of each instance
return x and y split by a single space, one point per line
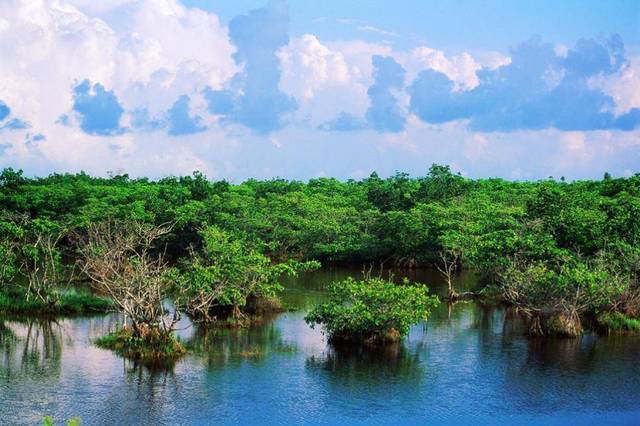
261 89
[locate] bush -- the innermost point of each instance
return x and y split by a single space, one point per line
557 295
230 277
372 310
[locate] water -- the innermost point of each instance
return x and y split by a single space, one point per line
467 365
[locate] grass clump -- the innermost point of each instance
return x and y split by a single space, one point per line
48 421
150 345
617 322
254 352
69 302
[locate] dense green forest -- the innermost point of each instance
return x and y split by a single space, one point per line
559 251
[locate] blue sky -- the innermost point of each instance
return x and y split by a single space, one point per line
452 25
247 88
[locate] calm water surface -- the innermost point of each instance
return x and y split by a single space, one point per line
467 365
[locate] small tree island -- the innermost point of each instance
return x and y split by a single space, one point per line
372 311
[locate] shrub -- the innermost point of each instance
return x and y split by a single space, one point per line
557 296
230 276
372 310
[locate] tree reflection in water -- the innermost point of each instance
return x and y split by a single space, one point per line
31 346
221 347
358 364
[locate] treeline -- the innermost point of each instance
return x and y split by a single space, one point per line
399 219
559 250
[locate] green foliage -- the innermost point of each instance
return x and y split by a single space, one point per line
352 221
48 421
372 310
32 271
571 286
10 235
227 272
75 301
555 236
69 302
441 184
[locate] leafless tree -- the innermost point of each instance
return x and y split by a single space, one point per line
42 266
121 260
448 265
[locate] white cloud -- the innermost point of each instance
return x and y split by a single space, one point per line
327 79
561 50
358 55
623 87
308 66
492 60
149 52
574 145
49 45
461 69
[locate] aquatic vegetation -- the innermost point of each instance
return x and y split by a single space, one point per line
617 322
147 344
556 298
230 277
48 421
118 258
560 251
34 277
372 310
251 353
68 302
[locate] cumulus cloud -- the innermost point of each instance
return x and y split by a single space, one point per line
151 87
309 66
623 86
80 72
461 69
327 79
148 52
255 99
537 90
